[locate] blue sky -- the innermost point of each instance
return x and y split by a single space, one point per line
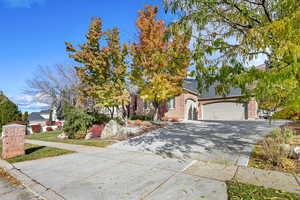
33 33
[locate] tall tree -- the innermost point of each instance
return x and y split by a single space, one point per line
104 66
160 59
25 116
229 34
54 85
8 111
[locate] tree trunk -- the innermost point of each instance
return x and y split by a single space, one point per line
111 111
156 116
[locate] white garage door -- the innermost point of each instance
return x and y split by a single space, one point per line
224 111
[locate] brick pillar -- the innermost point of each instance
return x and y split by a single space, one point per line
252 109
13 141
200 111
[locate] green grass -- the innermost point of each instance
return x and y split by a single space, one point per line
34 152
242 191
52 137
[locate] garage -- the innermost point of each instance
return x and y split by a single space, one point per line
224 111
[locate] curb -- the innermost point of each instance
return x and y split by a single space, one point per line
30 184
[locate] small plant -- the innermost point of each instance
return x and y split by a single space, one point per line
147 124
174 119
273 151
287 134
119 120
138 122
165 119
36 128
275 133
49 129
80 134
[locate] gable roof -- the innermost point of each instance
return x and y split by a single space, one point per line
45 112
35 116
211 93
192 86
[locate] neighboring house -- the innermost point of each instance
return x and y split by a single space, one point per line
207 106
36 118
41 117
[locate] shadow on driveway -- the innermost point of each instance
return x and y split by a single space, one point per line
204 140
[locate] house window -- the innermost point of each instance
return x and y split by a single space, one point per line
147 105
171 103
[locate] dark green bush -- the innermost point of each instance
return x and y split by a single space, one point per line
77 120
142 117
100 118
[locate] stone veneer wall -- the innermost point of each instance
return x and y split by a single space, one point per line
252 109
13 140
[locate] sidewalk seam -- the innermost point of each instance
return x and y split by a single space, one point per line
297 180
165 181
236 172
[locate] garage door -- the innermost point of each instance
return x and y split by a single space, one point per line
224 111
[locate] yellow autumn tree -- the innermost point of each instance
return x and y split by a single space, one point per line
104 67
160 59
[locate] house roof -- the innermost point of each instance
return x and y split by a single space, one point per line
35 116
192 86
45 111
211 93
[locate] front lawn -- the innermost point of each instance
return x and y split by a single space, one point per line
34 152
242 191
52 137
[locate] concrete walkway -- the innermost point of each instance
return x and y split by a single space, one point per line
107 173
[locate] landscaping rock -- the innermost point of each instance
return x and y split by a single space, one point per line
296 153
96 130
62 136
89 136
112 129
286 148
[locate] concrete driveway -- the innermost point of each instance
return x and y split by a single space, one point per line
220 141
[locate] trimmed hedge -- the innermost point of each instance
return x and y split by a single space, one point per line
142 117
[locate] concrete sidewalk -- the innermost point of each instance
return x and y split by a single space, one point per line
10 191
106 173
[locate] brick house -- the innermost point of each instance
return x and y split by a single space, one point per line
207 106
